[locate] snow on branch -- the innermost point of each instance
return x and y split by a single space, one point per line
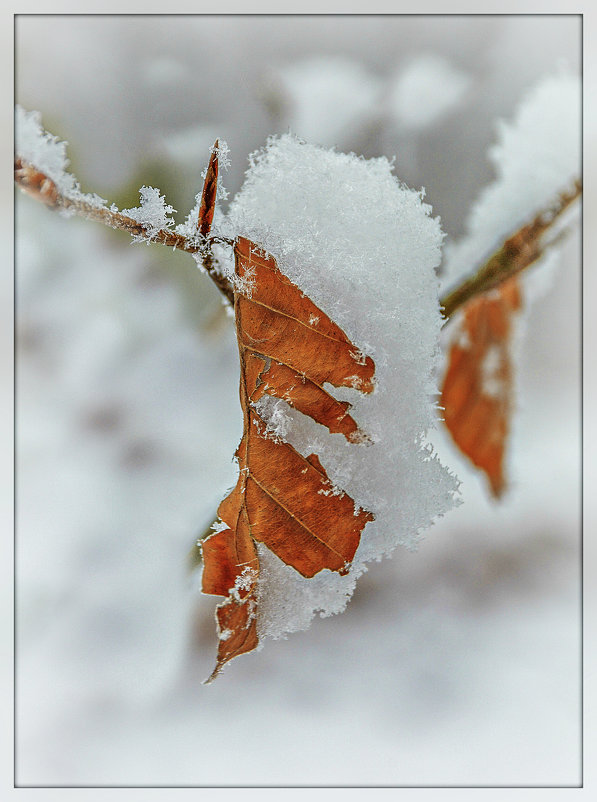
529 170
40 170
364 248
521 250
522 216
537 160
36 147
153 213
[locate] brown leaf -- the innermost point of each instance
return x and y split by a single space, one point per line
208 196
477 389
288 349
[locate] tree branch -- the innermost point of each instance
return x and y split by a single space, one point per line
39 186
518 252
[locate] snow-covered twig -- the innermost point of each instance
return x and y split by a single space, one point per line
40 186
40 171
519 251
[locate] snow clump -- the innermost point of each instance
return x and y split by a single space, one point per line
47 154
364 248
536 157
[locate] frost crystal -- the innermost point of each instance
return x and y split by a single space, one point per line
244 284
364 248
218 526
274 411
154 213
243 582
222 151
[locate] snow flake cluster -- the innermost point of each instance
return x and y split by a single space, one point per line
153 213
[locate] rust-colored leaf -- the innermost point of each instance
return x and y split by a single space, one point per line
288 349
477 389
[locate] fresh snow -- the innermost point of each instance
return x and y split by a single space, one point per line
48 154
536 157
457 665
364 248
153 213
354 238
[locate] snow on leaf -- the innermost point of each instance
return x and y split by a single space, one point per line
222 153
362 247
478 387
537 159
282 499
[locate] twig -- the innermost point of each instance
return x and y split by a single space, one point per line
517 253
39 186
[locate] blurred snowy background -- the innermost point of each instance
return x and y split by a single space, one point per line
457 664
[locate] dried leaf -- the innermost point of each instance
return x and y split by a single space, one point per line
288 349
477 389
208 196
